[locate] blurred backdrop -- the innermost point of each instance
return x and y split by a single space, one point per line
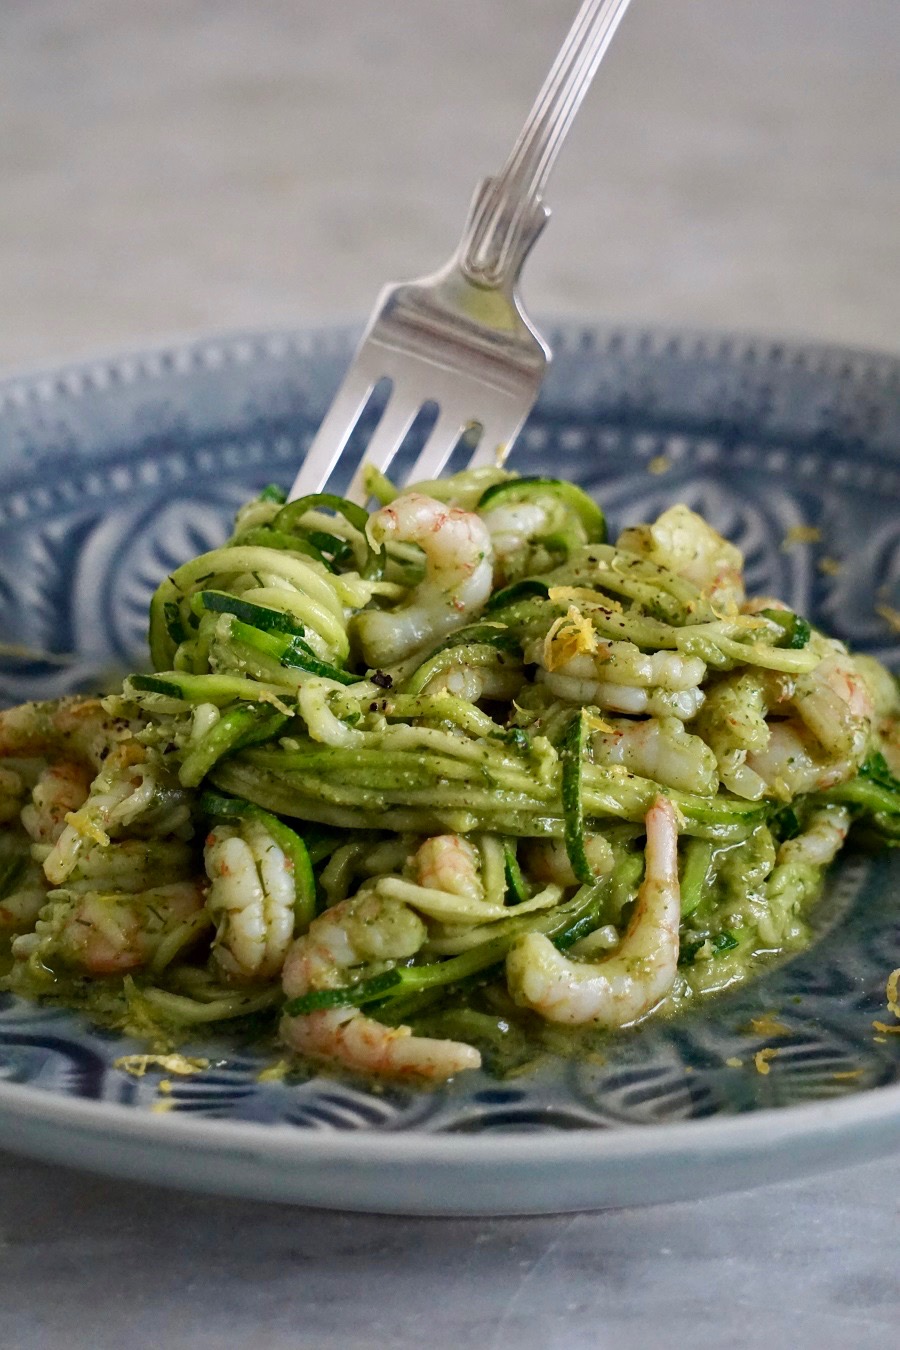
171 166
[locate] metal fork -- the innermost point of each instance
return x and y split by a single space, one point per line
460 338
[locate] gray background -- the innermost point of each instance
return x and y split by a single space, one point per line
172 166
180 165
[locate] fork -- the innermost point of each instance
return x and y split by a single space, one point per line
460 338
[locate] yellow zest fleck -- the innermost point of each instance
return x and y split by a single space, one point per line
762 1057
734 1063
659 464
893 992
159 1108
880 1040
800 534
274 1073
890 615
88 829
568 637
847 1074
830 567
137 1065
266 696
767 1025
596 723
164 1086
887 1030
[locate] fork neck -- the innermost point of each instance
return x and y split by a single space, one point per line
508 213
499 234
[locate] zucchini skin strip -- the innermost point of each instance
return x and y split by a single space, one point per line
572 757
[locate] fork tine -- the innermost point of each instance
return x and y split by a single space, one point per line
439 447
333 434
387 438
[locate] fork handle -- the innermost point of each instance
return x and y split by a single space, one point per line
508 212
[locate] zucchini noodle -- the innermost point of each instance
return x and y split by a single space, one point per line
409 787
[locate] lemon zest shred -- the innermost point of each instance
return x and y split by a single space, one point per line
273 1073
845 1074
596 723
887 1030
569 636
800 534
88 829
762 1057
137 1065
734 1063
891 616
768 1025
893 992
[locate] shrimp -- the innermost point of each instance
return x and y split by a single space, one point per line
825 739
618 676
112 933
251 898
514 529
69 728
136 799
365 929
473 683
627 984
820 842
684 541
457 582
447 862
661 749
548 859
835 703
61 788
792 762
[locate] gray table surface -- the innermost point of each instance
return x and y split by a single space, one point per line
187 165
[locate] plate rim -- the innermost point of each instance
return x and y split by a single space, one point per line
859 1115
723 1135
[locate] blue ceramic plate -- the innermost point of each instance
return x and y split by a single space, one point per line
113 472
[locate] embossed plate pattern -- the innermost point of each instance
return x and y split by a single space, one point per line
115 471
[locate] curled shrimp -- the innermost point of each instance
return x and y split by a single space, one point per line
659 748
68 728
251 899
133 799
687 543
458 575
448 862
60 788
357 932
618 676
835 703
548 859
513 528
821 841
112 933
628 983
